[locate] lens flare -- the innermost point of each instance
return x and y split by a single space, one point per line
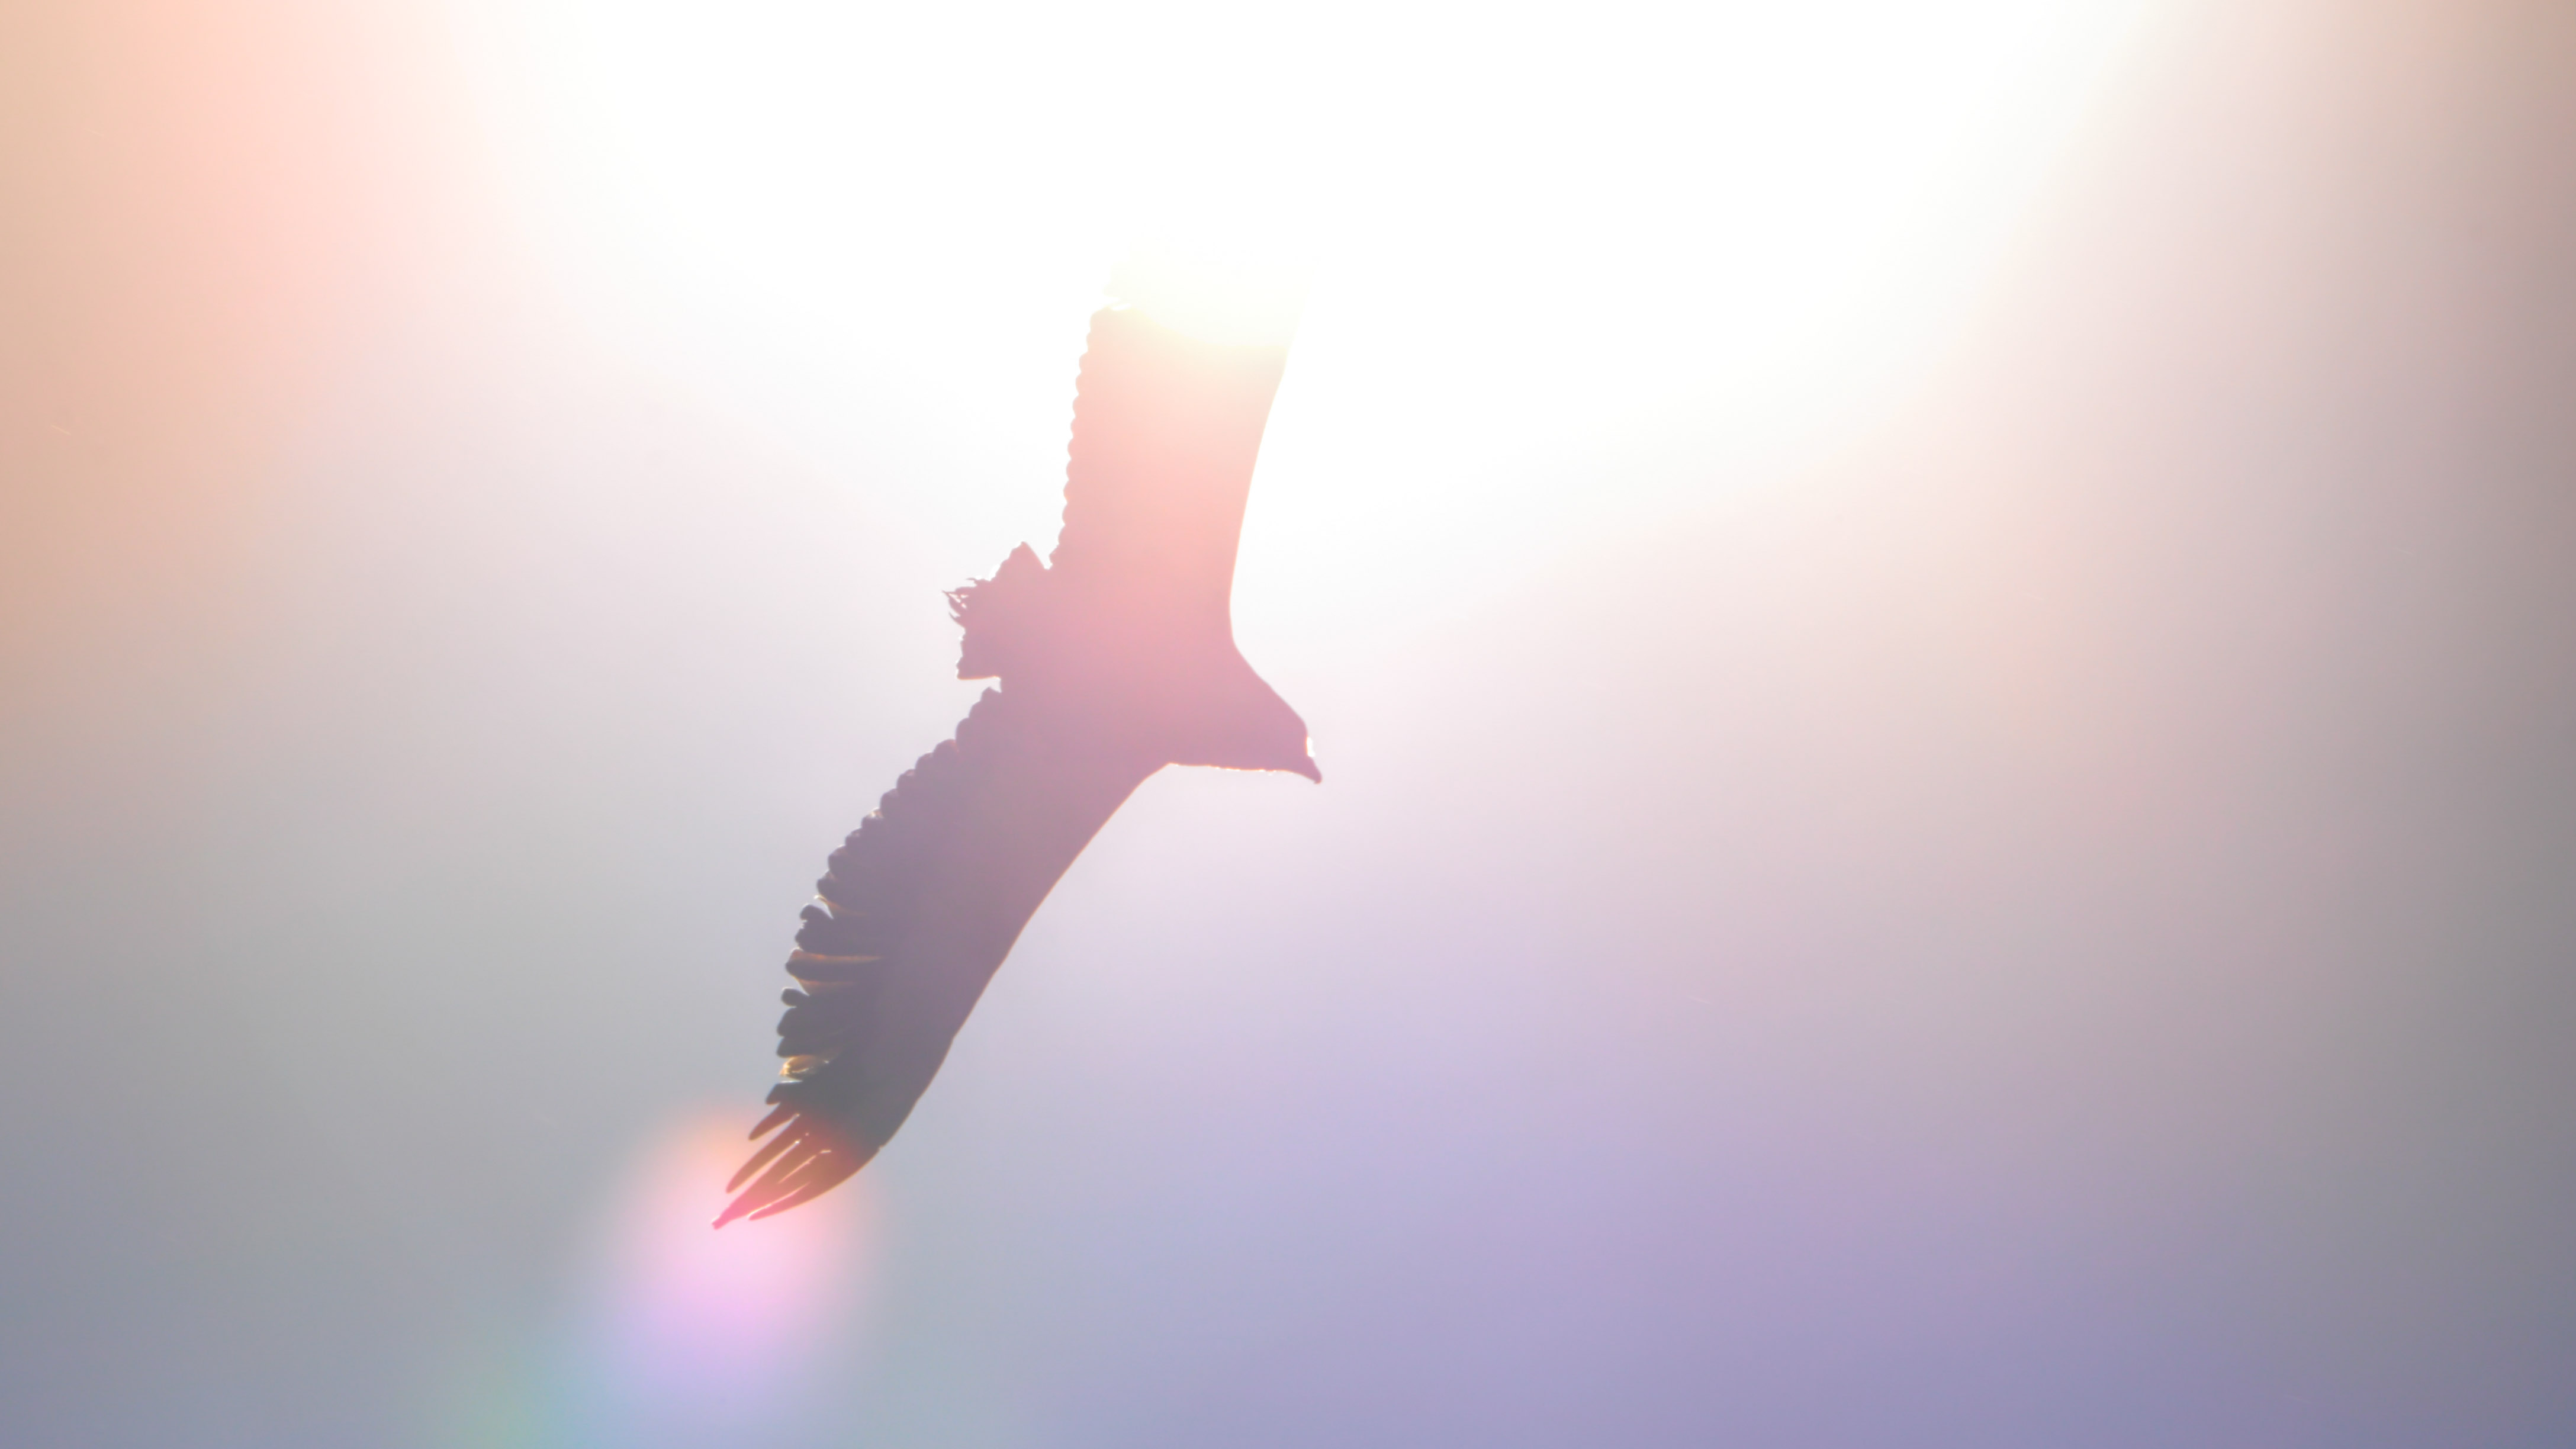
699 1337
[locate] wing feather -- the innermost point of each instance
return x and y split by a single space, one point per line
913 915
1166 430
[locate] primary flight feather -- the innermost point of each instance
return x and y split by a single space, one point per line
1114 659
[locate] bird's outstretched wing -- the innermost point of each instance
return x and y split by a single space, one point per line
916 912
1114 662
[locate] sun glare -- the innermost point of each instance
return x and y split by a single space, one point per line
1237 291
1716 236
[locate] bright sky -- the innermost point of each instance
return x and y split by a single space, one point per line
1571 268
2047 935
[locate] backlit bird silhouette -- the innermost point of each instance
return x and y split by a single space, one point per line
1115 659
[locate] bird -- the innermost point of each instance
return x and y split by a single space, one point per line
1111 659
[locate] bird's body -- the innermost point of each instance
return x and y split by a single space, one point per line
1114 662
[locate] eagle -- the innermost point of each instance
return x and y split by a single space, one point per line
1111 660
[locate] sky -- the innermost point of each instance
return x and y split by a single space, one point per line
1939 637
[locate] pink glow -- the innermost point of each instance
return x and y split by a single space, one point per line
702 1326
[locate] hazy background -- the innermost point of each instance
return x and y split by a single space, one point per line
1947 816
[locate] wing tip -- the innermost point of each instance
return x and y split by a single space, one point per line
805 1160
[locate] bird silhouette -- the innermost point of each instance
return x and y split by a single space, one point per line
1113 659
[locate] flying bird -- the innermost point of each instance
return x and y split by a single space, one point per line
1112 659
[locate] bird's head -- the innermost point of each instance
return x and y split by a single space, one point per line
1294 752
1241 723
